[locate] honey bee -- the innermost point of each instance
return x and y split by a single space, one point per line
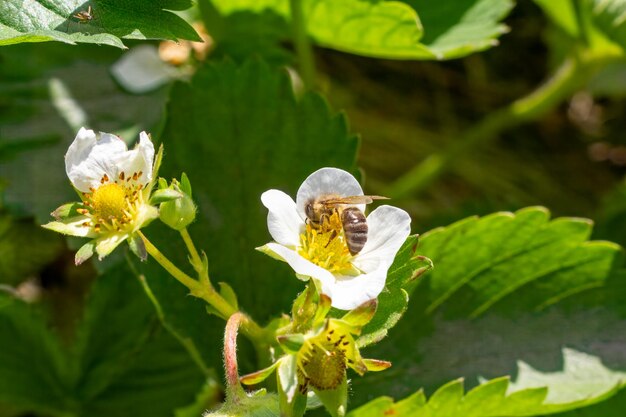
319 211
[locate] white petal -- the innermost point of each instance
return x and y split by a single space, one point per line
303 266
389 227
283 221
351 292
327 181
106 244
73 226
139 159
88 159
78 151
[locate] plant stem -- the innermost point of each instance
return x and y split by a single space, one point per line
196 260
569 77
204 290
303 44
234 390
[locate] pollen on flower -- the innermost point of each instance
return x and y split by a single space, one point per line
327 247
113 205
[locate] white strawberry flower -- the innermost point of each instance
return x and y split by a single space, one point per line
349 280
114 184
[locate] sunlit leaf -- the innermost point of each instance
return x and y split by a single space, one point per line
95 21
411 29
506 295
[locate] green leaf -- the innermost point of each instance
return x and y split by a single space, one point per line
33 368
96 21
120 358
511 294
455 28
403 275
24 249
490 399
125 360
389 29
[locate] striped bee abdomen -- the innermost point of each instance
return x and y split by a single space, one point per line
355 229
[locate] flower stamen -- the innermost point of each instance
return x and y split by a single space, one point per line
327 247
113 206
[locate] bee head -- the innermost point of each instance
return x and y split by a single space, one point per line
309 210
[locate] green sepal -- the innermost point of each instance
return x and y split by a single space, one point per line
287 377
85 252
185 184
137 246
313 401
323 307
292 399
163 195
335 400
66 210
157 163
162 183
205 262
177 213
259 376
304 309
227 292
72 226
376 365
361 315
291 342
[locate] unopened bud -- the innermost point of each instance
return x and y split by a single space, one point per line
180 212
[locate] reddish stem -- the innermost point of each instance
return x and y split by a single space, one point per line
234 390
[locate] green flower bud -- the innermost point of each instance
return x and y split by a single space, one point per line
179 212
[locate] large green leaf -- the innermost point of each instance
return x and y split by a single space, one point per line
490 399
33 369
390 29
98 21
499 302
63 88
121 360
455 28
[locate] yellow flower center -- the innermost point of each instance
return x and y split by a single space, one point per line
109 202
114 205
326 247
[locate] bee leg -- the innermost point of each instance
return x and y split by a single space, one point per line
332 236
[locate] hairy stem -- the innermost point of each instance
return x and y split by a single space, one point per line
234 390
302 43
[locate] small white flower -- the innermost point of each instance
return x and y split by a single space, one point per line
349 280
114 184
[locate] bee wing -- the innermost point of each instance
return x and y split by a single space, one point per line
354 199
